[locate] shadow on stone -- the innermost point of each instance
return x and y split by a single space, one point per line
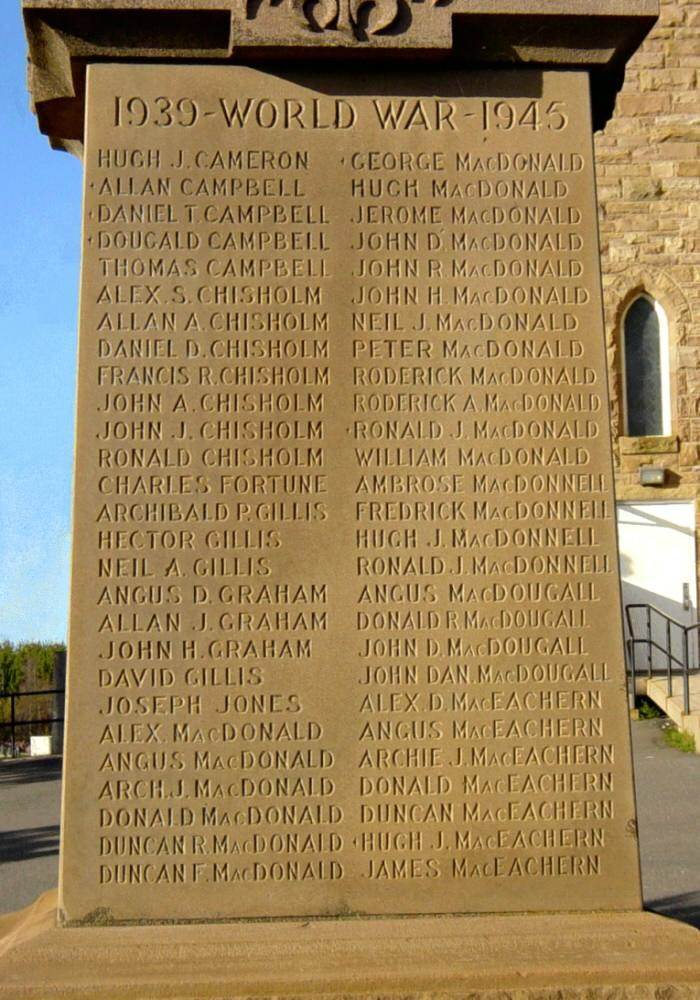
685 907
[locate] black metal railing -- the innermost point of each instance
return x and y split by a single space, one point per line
684 664
14 724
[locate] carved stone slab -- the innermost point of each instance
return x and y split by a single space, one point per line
345 627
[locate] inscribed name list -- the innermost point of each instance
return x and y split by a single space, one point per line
345 617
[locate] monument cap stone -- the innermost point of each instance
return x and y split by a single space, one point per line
598 36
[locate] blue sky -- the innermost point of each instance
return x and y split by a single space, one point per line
40 211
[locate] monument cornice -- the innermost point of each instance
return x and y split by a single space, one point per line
65 35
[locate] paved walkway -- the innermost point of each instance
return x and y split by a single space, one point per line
30 793
668 795
668 809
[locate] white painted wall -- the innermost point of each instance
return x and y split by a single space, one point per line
657 557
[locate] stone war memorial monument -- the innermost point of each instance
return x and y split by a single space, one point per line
346 692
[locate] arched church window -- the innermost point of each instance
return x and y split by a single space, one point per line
646 369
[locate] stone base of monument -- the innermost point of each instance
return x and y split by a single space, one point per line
564 956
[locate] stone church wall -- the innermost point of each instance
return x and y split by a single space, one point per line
648 162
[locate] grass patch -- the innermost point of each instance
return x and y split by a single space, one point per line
647 708
678 740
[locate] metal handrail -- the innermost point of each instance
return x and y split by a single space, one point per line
667 650
658 611
13 724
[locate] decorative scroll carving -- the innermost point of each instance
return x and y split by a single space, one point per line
344 15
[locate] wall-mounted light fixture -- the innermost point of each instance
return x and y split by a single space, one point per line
650 475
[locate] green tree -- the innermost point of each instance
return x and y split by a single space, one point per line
11 677
27 667
37 662
11 672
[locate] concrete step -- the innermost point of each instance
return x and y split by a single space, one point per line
656 689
